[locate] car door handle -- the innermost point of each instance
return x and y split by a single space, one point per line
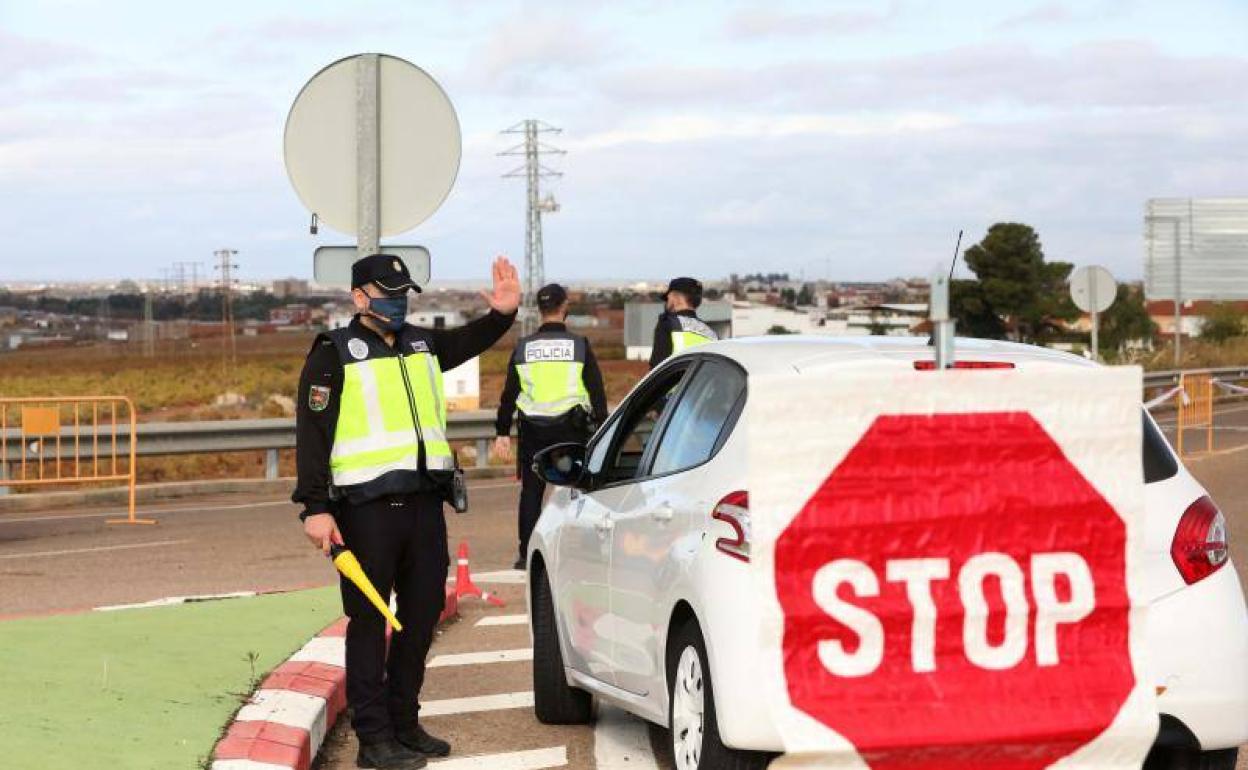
663 513
605 524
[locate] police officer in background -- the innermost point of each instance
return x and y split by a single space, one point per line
374 469
678 326
554 381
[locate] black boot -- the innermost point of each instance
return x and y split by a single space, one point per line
416 739
386 753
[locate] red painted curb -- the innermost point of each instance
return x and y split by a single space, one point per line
283 745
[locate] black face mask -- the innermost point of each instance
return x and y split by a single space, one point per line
391 311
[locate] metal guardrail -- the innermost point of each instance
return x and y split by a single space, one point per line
156 439
1171 378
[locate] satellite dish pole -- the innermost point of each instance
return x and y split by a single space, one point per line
938 311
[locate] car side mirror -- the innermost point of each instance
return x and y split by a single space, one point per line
562 465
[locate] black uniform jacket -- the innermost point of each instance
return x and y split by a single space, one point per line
320 386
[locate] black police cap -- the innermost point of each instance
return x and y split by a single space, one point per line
690 287
550 297
385 270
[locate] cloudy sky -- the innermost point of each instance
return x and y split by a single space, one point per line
850 139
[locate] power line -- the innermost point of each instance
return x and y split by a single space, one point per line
533 171
227 265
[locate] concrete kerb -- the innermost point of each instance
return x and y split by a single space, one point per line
284 723
173 490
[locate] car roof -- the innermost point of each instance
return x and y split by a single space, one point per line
806 353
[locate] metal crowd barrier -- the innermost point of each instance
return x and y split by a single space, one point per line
69 440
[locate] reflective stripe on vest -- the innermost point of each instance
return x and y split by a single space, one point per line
692 332
375 433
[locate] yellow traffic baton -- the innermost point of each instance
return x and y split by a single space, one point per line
349 566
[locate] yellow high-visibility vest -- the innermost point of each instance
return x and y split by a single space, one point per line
391 405
550 367
692 332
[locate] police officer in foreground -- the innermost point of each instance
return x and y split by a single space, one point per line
374 470
678 326
554 381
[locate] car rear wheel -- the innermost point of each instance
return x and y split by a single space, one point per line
554 701
695 732
1191 759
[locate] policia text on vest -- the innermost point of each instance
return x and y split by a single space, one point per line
554 382
374 468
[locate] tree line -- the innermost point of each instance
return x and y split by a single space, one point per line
203 306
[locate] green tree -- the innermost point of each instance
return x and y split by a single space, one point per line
974 315
1126 320
1027 294
1224 321
778 329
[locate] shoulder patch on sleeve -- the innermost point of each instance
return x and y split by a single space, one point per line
318 397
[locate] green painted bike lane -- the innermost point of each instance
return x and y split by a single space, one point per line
142 688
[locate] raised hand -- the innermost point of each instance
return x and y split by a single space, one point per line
505 296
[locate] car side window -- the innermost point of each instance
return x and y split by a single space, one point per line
634 430
694 429
598 452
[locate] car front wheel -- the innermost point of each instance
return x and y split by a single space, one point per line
554 701
695 732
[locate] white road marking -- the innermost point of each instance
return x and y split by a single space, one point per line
504 620
146 512
500 702
169 600
621 741
189 508
476 658
503 576
95 549
330 650
537 759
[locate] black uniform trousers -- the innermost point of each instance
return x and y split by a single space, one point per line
401 544
534 437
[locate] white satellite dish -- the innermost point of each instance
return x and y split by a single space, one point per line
376 123
1093 289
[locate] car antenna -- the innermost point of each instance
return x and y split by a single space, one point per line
931 339
957 247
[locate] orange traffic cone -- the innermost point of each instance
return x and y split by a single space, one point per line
463 580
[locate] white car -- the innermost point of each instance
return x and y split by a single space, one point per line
638 574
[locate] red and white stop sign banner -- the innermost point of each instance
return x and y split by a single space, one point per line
949 567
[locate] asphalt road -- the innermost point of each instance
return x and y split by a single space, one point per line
59 561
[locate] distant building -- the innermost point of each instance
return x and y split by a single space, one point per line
1194 312
1197 245
284 288
293 314
437 318
462 386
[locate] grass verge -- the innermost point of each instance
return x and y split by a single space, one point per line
143 688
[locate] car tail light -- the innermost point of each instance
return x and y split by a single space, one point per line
1200 547
928 366
734 510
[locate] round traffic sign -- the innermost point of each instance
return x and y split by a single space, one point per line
1093 289
950 601
418 147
